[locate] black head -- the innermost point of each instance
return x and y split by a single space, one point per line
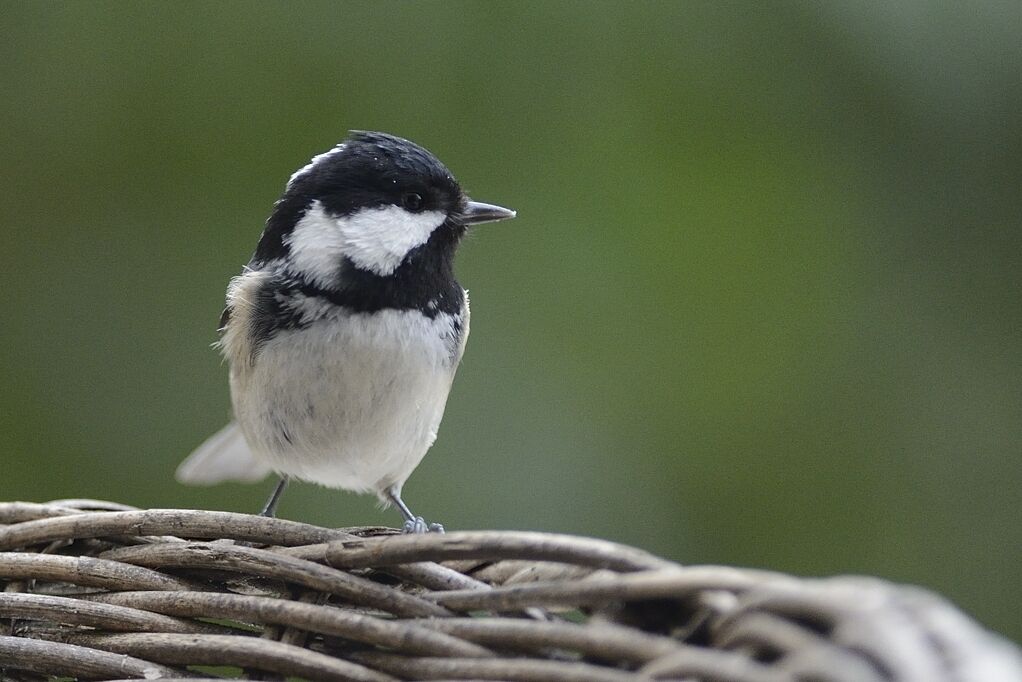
372 186
376 169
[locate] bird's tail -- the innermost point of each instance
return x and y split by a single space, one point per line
225 456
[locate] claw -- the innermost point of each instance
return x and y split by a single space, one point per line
418 526
413 524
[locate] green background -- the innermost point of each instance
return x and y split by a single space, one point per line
761 305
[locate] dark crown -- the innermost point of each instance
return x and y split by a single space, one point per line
367 170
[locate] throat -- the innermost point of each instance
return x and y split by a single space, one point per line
365 293
284 301
425 285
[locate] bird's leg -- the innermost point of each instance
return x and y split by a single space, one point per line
270 510
413 523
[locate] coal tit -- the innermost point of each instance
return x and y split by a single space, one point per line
344 331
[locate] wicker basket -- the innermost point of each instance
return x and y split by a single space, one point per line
96 590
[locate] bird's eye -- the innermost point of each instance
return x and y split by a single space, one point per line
412 201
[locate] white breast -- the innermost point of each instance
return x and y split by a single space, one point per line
353 400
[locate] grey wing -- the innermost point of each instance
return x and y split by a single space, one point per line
461 328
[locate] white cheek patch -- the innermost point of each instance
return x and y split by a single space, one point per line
317 247
378 239
374 239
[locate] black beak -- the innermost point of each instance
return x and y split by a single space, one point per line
477 212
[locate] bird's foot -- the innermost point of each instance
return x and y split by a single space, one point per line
418 525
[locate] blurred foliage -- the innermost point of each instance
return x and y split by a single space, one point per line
761 305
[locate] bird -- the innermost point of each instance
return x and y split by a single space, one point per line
344 331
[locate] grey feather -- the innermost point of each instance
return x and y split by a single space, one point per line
225 456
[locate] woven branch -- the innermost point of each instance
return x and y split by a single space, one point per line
98 590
